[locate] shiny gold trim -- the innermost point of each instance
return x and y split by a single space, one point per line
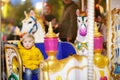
108 34
83 13
52 63
50 33
75 67
100 61
51 53
15 65
58 78
97 51
96 33
11 46
108 13
113 12
44 74
108 71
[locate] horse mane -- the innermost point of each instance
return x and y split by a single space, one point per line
37 17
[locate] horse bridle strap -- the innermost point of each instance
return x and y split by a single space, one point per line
34 26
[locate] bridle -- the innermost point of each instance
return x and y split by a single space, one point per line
35 26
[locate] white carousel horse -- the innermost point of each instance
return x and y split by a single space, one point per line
82 37
32 25
101 71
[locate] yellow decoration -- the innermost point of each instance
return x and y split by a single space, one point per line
58 78
100 61
96 33
5 10
50 33
83 13
101 73
15 65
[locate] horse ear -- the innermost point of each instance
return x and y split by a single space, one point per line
78 12
26 15
32 13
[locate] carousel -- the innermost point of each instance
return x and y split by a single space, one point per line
86 59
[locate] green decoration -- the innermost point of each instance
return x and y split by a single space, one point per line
12 77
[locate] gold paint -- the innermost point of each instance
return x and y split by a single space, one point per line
78 57
15 65
96 33
115 76
50 33
83 13
75 67
100 61
51 63
108 26
97 51
46 76
101 73
51 53
44 71
58 78
15 50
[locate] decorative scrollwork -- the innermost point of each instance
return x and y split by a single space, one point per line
115 68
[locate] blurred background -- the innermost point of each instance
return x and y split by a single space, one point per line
13 10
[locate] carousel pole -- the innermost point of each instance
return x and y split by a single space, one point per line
42 6
90 4
82 5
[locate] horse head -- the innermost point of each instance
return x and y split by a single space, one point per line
82 25
32 25
82 38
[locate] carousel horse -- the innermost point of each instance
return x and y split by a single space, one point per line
101 71
82 36
33 25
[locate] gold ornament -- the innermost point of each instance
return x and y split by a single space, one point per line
100 61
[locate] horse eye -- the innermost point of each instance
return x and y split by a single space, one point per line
30 22
86 20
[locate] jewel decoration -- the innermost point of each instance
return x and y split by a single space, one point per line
83 30
103 78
